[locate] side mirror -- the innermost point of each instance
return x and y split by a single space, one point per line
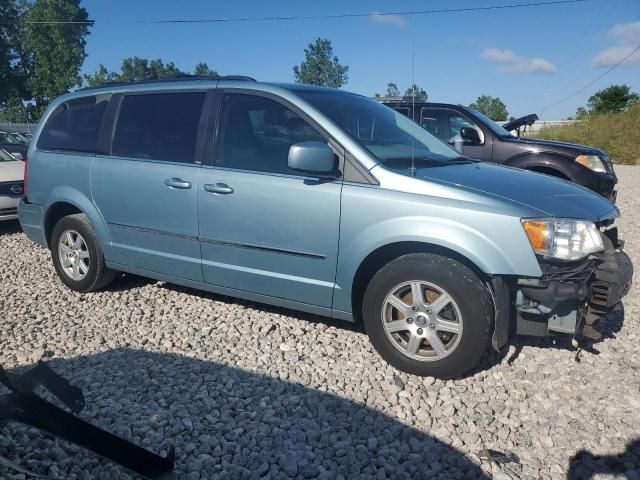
17 156
314 158
470 135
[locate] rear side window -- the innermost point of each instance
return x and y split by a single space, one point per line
159 126
75 125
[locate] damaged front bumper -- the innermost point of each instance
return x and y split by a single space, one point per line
571 297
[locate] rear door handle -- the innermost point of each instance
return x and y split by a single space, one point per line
218 188
177 183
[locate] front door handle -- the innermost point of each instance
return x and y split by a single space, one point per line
218 188
177 183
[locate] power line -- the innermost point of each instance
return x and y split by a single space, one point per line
315 17
577 92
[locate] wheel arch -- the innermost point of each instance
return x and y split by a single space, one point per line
382 255
67 201
549 163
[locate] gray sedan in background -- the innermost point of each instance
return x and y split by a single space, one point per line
11 185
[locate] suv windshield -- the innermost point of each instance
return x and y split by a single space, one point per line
388 135
491 125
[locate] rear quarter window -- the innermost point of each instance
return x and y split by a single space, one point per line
75 125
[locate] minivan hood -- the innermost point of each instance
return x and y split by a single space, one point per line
551 196
11 171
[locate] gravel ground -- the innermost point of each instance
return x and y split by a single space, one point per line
248 391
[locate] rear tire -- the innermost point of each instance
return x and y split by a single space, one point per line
443 333
77 256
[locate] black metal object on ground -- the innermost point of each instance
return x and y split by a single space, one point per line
24 406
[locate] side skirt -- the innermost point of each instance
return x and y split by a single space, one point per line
232 292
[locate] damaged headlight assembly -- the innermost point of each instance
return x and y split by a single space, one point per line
563 238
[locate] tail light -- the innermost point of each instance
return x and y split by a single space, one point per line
26 171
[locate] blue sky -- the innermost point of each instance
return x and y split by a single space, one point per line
529 57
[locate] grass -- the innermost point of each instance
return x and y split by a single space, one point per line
618 134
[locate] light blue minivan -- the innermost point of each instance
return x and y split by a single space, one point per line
322 201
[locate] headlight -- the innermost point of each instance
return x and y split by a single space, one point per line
563 238
592 162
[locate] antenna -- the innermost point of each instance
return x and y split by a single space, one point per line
412 170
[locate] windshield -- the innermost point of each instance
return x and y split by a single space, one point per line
388 135
491 125
8 139
5 157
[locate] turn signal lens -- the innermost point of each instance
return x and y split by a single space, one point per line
538 233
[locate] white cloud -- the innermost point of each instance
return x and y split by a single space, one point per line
627 37
627 32
515 64
613 55
395 20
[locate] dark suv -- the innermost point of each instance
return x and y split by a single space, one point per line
477 136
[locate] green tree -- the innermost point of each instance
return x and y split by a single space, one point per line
135 69
492 107
321 66
581 113
13 110
55 51
392 90
12 76
615 98
202 69
420 93
100 77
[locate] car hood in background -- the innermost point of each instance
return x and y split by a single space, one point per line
557 147
551 196
11 171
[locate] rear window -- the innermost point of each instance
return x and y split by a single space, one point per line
75 125
159 126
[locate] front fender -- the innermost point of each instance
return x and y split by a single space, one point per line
504 250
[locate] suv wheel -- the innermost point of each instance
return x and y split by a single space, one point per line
77 255
428 315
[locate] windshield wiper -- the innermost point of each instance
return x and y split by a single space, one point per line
461 161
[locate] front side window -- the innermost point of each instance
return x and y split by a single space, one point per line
445 123
74 125
159 126
256 133
389 136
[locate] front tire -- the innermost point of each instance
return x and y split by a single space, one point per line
428 315
77 256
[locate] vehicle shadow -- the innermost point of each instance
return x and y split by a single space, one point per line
351 326
585 465
10 227
226 422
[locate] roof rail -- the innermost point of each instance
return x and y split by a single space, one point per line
180 78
